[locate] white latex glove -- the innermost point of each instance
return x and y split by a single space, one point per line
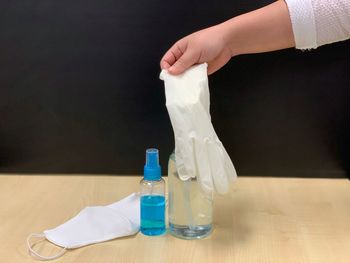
198 151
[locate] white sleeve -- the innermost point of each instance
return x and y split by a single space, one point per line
319 22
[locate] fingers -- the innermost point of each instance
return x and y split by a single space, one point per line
184 62
179 57
173 54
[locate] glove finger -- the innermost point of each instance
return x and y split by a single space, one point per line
230 170
217 166
203 166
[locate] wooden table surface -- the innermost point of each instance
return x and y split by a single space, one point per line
260 220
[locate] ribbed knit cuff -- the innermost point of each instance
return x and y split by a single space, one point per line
303 22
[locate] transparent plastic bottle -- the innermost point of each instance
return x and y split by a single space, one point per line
190 209
152 190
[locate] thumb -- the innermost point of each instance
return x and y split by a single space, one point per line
184 62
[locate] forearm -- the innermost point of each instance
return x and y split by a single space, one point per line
265 29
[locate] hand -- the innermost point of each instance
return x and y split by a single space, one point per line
266 29
208 45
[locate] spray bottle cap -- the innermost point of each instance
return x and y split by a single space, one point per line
151 170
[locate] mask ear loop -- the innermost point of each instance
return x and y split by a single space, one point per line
40 257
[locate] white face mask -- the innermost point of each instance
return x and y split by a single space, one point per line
93 225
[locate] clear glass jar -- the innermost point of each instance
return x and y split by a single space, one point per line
190 209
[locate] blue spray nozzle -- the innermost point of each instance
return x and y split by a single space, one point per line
152 170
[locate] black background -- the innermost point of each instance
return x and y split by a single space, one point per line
79 91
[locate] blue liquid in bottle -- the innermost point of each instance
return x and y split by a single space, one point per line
152 196
153 215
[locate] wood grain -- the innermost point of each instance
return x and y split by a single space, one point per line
260 220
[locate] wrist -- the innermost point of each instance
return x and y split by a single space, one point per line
229 31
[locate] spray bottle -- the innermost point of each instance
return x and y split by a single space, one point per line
152 196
